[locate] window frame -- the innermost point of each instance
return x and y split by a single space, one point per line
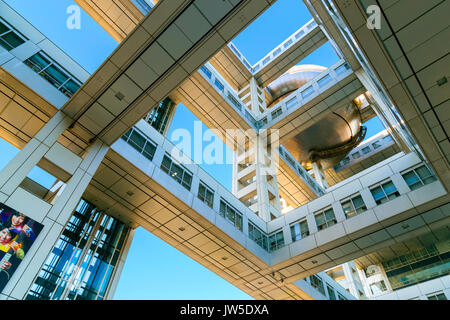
386 195
42 71
210 202
13 30
230 211
277 242
300 235
174 167
323 212
420 178
355 209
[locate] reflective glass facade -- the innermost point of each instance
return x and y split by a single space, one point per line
83 261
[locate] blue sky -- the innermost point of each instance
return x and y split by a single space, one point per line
154 269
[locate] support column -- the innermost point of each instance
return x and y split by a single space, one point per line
52 215
319 175
254 177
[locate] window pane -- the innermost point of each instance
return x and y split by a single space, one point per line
38 62
137 141
358 202
3 28
149 150
329 214
71 87
57 77
348 208
12 39
411 178
165 165
320 219
377 193
389 187
376 144
423 172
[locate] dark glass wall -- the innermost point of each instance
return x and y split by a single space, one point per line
159 117
81 265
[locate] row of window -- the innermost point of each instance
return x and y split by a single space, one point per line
301 171
285 45
221 88
366 150
310 90
140 142
318 284
177 171
40 62
9 37
62 80
231 214
382 192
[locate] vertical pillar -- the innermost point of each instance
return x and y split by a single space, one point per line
52 215
319 175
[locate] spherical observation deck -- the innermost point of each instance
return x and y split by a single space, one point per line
294 78
331 136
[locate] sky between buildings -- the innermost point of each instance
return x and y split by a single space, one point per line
154 269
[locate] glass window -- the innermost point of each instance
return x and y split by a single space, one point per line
266 60
299 34
257 235
437 296
177 172
206 71
205 194
10 38
140 143
419 177
276 113
342 68
276 52
82 261
365 150
376 144
331 293
384 192
324 80
307 92
276 240
356 155
353 206
219 84
292 102
317 283
378 287
299 230
288 43
231 214
325 219
53 73
341 297
387 139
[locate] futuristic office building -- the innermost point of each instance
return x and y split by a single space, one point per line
316 211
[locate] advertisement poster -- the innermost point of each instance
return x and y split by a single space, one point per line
17 234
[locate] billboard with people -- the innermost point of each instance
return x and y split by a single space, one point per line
17 234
